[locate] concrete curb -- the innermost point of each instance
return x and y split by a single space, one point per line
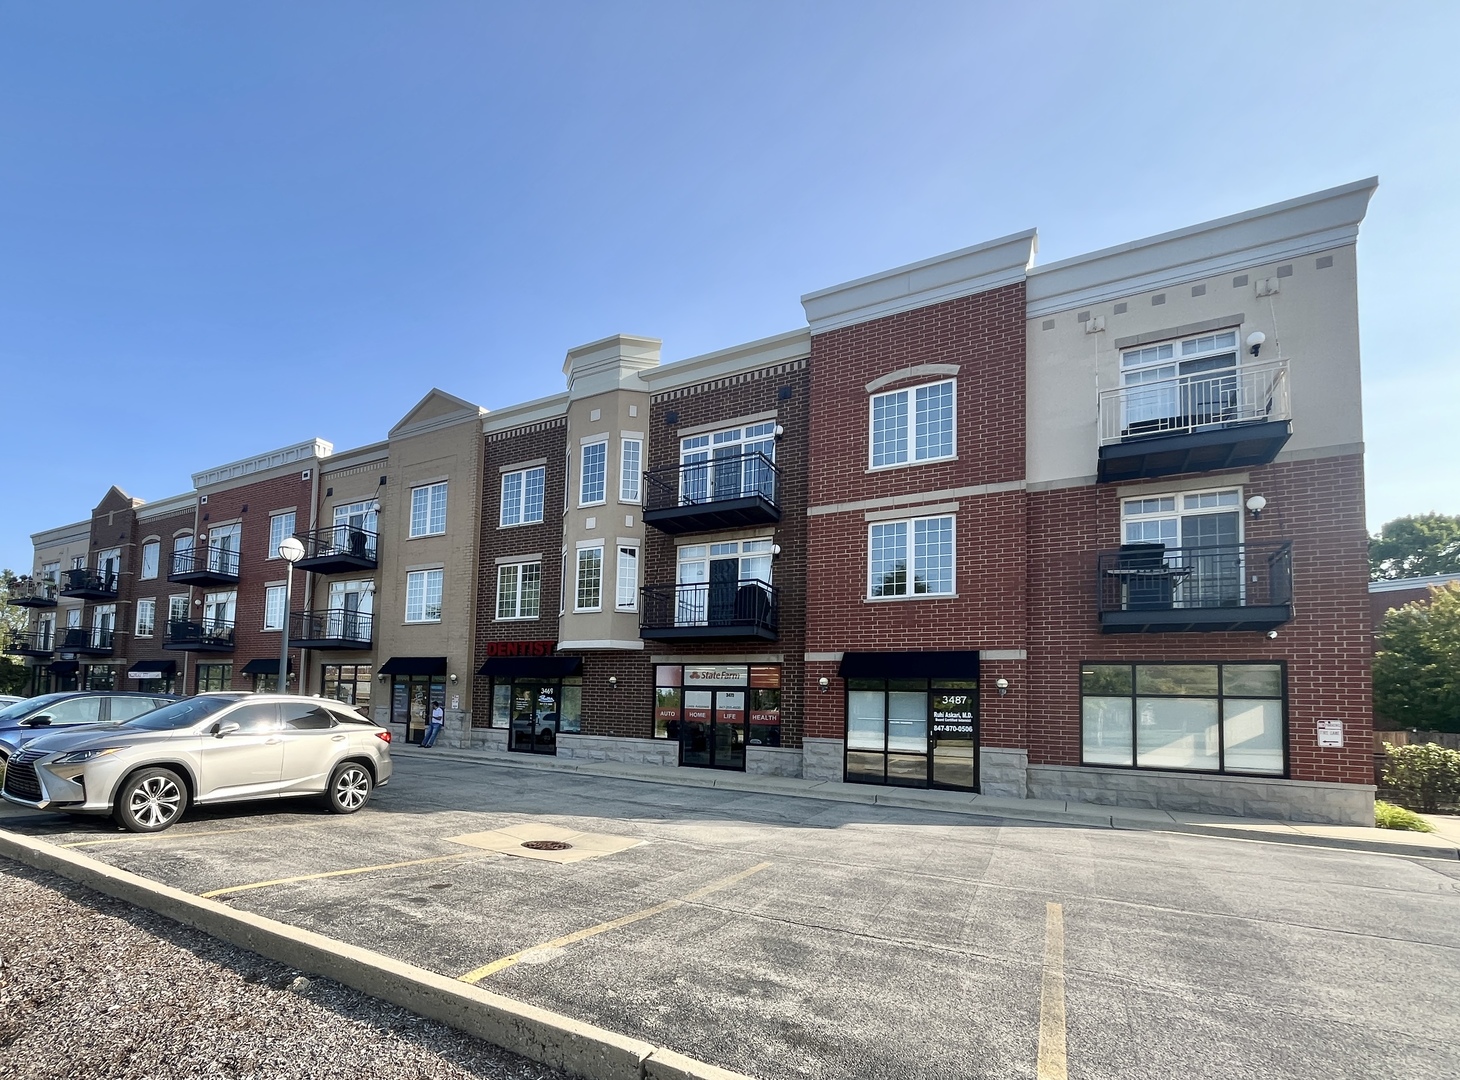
1089 815
544 1036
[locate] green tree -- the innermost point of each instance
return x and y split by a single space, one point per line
13 620
1415 546
1417 667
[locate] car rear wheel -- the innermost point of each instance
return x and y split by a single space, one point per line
350 787
151 800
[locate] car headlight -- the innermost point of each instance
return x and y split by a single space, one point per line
76 757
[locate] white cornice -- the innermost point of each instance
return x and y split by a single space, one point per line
753 355
1285 230
173 504
964 272
528 412
358 455
62 534
611 363
297 454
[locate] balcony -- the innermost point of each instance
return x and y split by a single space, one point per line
1228 419
33 592
37 643
205 566
96 641
1150 589
333 628
338 549
711 611
728 492
213 636
90 584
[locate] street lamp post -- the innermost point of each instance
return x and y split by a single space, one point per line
291 551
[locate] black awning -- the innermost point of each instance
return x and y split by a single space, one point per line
414 665
909 665
64 667
258 666
152 669
532 667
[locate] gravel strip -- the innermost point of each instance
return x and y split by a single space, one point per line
91 987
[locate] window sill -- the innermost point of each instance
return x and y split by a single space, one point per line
591 505
517 618
910 464
421 622
271 630
426 536
587 610
905 599
516 524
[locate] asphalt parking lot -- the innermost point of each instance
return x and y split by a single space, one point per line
793 937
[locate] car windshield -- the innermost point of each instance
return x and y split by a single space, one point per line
179 714
29 705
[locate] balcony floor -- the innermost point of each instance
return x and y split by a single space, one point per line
338 563
749 512
1236 447
329 643
708 633
203 577
1195 620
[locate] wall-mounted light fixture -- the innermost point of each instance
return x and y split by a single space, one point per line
1256 505
780 431
452 676
1002 685
1255 341
382 676
613 682
824 683
1272 635
775 549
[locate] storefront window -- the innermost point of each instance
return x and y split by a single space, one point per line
214 677
349 683
410 702
912 732
535 711
100 677
1196 717
715 710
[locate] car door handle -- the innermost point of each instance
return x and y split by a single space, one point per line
272 742
337 738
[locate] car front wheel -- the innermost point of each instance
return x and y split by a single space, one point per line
350 787
150 801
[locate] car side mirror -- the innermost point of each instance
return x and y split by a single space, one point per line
36 721
221 729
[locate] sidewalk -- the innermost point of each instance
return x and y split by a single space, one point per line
1443 843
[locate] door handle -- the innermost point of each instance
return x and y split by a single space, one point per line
337 738
272 742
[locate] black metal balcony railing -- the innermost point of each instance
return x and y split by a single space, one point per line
210 635
90 584
336 549
204 565
1149 588
34 592
725 492
747 608
332 628
31 643
97 640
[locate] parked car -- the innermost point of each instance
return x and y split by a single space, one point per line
213 748
79 707
9 699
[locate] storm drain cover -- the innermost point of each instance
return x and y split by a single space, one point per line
547 845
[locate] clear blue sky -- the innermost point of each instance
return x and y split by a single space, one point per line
229 227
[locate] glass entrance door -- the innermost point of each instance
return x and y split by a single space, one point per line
536 719
713 731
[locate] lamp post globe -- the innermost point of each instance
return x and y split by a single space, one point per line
291 551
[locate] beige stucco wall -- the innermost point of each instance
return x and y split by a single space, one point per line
450 452
1312 321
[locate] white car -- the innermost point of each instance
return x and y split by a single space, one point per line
213 748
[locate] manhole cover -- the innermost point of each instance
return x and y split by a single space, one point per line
547 845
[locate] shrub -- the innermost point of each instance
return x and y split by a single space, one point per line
1389 816
1424 776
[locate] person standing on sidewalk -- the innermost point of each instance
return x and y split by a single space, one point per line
438 717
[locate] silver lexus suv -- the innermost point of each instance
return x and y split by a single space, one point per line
213 748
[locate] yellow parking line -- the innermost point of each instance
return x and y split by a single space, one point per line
581 935
338 873
1052 997
170 835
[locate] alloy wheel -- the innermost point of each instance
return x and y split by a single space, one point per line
352 788
155 801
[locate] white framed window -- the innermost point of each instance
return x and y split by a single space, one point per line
631 466
728 464
522 496
103 625
1201 532
281 527
519 590
1193 380
182 554
593 479
423 595
78 562
274 613
146 618
177 608
428 509
109 563
224 544
51 572
588 594
563 587
711 578
626 597
916 424
151 552
910 558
